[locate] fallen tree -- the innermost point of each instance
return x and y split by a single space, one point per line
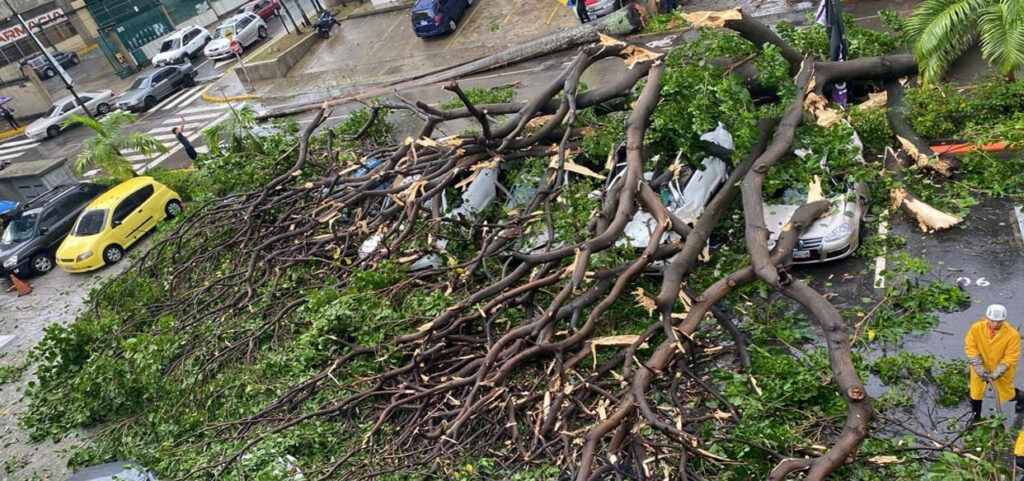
505 351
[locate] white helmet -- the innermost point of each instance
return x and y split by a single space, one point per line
996 312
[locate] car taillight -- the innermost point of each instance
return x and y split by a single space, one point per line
437 18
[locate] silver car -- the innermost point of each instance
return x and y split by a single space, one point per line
153 85
831 237
600 8
182 45
245 28
49 125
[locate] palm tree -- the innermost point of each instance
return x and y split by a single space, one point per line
942 30
104 150
232 129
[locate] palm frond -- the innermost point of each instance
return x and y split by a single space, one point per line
1002 35
84 120
940 31
144 143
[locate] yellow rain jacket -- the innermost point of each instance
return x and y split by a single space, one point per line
1003 348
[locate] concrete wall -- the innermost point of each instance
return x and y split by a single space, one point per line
279 67
27 100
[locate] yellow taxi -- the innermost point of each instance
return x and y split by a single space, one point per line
114 221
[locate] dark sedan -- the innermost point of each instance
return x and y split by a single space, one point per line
153 85
32 235
43 67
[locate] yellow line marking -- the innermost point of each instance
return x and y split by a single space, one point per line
88 49
551 16
505 20
11 133
465 22
384 38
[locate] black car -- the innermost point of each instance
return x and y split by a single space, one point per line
43 67
33 234
437 17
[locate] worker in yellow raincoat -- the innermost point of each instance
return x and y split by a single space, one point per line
992 348
1018 451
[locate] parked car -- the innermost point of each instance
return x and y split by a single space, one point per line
49 125
437 17
42 66
153 85
115 221
600 8
832 237
117 470
246 28
182 45
264 8
33 233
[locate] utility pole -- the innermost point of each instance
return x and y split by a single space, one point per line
69 83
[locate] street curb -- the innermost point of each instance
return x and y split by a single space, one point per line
11 133
375 11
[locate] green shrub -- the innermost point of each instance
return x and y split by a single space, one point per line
482 95
873 129
184 182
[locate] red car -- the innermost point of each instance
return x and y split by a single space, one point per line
264 8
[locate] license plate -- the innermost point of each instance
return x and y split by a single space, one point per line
801 254
424 22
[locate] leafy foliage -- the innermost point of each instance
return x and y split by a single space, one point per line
942 30
863 42
482 95
106 149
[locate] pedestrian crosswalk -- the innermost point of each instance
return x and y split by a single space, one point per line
179 100
16 148
195 121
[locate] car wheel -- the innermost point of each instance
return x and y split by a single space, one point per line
451 25
112 253
172 209
52 131
49 73
261 33
149 102
41 263
190 82
74 60
102 109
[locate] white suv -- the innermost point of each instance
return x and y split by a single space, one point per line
245 28
182 45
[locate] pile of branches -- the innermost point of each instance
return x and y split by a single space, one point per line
460 387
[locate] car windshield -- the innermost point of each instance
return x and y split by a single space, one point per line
170 44
140 83
226 31
20 229
90 223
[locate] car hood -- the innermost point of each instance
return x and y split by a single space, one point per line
73 246
218 44
841 211
8 250
165 56
40 124
131 95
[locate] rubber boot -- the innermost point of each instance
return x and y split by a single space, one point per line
976 409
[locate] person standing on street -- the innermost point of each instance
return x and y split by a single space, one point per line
9 116
179 133
581 11
993 347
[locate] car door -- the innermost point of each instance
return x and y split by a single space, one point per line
129 221
66 110
193 41
48 228
160 85
244 31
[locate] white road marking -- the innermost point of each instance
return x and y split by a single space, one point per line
178 147
18 148
883 230
202 108
193 117
1018 213
91 173
18 142
11 156
192 94
6 339
191 98
170 98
